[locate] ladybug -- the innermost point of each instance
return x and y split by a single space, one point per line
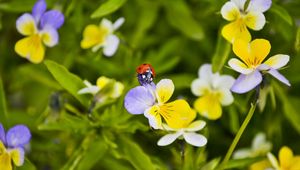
145 74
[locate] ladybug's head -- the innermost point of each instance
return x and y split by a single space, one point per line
145 74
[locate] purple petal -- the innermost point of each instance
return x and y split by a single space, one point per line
259 5
18 136
2 134
52 18
246 82
138 99
279 76
38 9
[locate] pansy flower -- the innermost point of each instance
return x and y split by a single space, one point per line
106 88
241 17
252 55
153 102
260 147
102 35
287 160
213 90
40 28
187 133
12 146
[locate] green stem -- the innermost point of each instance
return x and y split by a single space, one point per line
238 136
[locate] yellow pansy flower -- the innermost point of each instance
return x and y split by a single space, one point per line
213 90
153 102
241 17
97 36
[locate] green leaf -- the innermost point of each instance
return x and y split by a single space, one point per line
96 150
3 111
290 105
108 7
146 18
39 74
67 80
221 54
164 56
26 166
182 81
282 13
66 122
180 17
297 42
211 165
16 6
241 163
135 155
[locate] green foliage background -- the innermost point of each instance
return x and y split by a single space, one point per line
176 37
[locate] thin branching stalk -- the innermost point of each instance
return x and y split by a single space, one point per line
238 136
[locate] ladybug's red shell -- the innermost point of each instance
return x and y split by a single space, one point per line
144 68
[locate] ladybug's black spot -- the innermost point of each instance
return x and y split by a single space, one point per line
144 64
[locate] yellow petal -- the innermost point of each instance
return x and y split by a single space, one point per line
5 161
242 49
2 148
103 81
164 90
261 165
26 24
295 165
236 30
260 48
154 117
209 106
177 114
93 35
31 48
285 157
17 156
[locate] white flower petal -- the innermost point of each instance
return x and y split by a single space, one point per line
279 76
107 24
118 90
260 145
87 83
49 36
92 90
277 61
230 11
239 3
273 160
239 66
226 97
118 23
224 82
195 139
26 24
205 72
168 139
245 83
196 126
242 153
255 20
199 86
259 5
111 45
